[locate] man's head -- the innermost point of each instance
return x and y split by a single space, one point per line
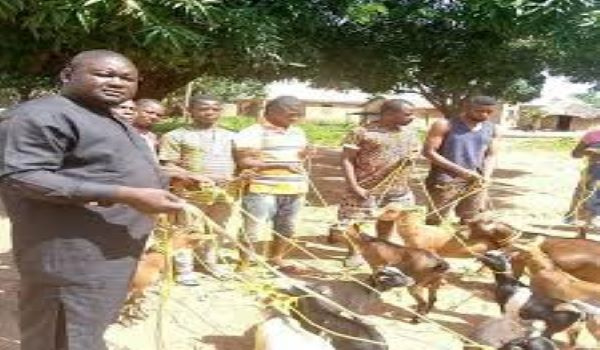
396 112
480 108
149 112
126 111
205 110
99 78
284 111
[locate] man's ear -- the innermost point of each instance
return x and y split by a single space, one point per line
66 75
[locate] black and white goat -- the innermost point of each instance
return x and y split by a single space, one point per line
320 316
518 303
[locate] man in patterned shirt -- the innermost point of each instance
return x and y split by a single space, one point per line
202 155
376 161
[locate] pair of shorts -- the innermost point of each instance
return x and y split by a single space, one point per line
280 209
356 209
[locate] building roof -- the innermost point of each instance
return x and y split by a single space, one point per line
305 92
571 107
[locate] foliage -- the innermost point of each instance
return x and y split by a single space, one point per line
562 145
318 133
449 50
530 118
171 41
592 98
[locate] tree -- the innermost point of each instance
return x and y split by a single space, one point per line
577 47
171 41
448 50
592 98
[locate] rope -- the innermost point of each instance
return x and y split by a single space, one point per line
317 295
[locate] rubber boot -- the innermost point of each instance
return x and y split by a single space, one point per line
245 258
184 267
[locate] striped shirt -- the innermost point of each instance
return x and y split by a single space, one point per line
201 151
275 145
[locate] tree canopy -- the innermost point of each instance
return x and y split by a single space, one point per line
443 49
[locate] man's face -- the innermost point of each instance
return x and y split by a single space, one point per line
403 116
205 112
126 111
148 114
480 113
286 116
102 81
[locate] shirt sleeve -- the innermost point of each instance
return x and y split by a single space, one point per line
170 148
352 139
247 139
32 150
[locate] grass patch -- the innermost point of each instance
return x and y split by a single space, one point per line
321 134
559 144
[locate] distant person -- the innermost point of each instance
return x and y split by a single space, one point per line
203 152
462 151
79 187
376 160
127 111
274 149
149 112
586 199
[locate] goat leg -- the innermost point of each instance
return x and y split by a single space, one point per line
433 288
417 292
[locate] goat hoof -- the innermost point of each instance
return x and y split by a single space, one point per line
415 320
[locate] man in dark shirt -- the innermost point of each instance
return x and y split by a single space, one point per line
79 185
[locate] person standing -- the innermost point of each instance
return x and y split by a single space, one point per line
79 186
126 110
274 149
585 204
149 112
376 159
202 152
462 151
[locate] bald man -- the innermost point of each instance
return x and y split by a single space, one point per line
79 186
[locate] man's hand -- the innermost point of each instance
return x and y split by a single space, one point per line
149 200
361 192
296 168
471 176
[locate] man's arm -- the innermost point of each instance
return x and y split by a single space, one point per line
32 150
435 138
248 158
348 161
490 157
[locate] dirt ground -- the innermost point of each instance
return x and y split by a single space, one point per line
531 191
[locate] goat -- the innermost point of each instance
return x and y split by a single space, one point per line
484 233
529 343
518 302
495 332
576 256
312 311
279 332
425 267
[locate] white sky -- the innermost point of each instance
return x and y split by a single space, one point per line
554 88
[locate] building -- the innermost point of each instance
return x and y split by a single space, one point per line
559 114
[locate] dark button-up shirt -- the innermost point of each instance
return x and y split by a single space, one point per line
57 159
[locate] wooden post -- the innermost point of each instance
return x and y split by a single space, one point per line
186 102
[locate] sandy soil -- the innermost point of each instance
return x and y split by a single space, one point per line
531 190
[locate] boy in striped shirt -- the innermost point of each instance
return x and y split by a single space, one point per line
202 157
274 149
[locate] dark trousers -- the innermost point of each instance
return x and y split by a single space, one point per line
68 318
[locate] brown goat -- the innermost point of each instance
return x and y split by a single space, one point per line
425 267
576 256
548 279
483 235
